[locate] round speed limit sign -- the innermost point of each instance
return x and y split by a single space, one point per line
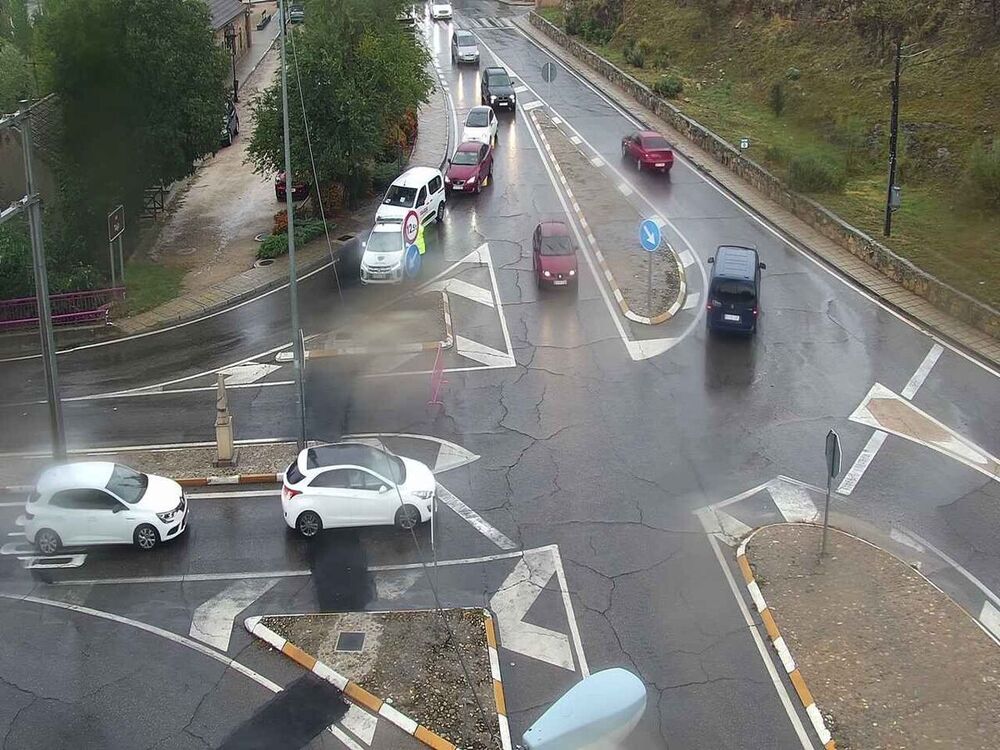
411 225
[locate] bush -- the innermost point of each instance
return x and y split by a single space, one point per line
984 173
793 74
814 173
280 224
668 86
635 54
276 245
385 172
776 98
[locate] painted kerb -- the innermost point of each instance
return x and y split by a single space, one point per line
859 244
812 710
498 694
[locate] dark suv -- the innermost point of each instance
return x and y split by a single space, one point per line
734 289
497 90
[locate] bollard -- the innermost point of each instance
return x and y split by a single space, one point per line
225 454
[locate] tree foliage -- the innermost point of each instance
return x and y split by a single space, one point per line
352 77
15 77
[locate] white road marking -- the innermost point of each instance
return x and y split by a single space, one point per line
861 463
531 105
692 301
624 188
15 533
574 629
954 563
487 355
686 258
576 140
13 505
597 161
474 519
897 535
212 622
520 89
989 617
513 600
719 522
911 388
793 502
464 289
360 723
555 120
450 455
35 562
249 372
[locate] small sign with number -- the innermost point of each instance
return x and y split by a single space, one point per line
116 223
411 226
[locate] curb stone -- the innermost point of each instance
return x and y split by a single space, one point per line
498 694
605 270
351 690
808 703
277 478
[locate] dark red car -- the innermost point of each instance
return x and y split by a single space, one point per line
554 255
648 150
471 168
299 189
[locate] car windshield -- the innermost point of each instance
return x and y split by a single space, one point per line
499 79
385 242
397 195
465 40
292 473
478 118
734 291
557 245
655 143
465 158
129 484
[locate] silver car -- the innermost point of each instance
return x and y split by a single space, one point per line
464 47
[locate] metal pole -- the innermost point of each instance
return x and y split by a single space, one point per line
293 286
649 284
893 139
121 258
111 258
826 514
42 296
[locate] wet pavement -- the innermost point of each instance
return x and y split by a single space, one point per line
596 435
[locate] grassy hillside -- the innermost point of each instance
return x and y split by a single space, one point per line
812 94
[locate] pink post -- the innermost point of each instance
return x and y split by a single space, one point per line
437 379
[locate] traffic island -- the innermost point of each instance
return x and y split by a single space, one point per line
889 660
600 202
406 667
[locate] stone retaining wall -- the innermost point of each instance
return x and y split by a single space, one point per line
875 254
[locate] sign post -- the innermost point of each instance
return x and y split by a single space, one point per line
832 470
411 227
116 228
649 238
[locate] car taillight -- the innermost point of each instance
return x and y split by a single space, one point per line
712 304
755 312
287 493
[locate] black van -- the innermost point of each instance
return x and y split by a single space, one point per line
734 289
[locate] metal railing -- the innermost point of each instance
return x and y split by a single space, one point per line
71 308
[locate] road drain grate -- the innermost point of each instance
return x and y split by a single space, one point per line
350 641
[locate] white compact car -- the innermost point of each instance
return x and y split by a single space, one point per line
103 503
355 484
419 189
440 11
382 260
480 125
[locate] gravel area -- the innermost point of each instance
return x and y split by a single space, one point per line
603 206
409 660
892 662
414 319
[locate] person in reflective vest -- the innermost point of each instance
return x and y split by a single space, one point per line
421 243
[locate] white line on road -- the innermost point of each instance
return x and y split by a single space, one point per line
574 631
913 385
464 289
686 258
227 495
989 618
624 188
474 519
487 355
12 505
692 300
212 621
954 563
793 502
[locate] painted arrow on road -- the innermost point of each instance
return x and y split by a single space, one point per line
513 600
249 372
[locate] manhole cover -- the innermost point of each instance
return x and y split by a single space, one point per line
345 237
347 641
263 262
260 237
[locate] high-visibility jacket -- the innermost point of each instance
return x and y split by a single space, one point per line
421 243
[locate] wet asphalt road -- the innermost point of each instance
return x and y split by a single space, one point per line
580 445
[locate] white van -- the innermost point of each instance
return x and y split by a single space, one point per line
382 261
420 189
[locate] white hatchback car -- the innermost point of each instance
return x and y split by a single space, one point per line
440 11
103 503
480 125
354 484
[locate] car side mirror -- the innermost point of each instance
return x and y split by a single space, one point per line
762 266
711 260
383 489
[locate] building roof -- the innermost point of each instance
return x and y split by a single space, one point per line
224 11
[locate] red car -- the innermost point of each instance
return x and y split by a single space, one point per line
470 168
648 150
554 255
299 189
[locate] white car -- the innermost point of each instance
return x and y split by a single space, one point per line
355 484
480 126
103 503
440 11
384 251
419 189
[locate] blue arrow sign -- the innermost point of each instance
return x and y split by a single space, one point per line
412 262
649 235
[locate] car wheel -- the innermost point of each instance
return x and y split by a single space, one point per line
47 541
538 282
145 537
229 137
309 524
439 216
407 517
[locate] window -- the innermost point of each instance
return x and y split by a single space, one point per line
498 78
292 473
655 143
363 480
97 500
397 195
435 184
336 479
733 291
128 484
385 242
66 499
483 151
422 197
464 158
557 245
478 118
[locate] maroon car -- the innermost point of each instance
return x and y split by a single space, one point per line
648 150
554 255
299 189
471 168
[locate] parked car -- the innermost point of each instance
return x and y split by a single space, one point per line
354 484
407 20
103 503
480 125
496 89
300 189
648 150
734 289
384 250
440 11
464 47
470 169
553 253
230 124
296 13
420 189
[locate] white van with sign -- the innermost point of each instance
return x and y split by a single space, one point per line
384 254
419 189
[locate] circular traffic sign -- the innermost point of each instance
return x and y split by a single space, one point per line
649 235
548 72
412 262
411 226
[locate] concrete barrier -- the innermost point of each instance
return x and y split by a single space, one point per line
859 244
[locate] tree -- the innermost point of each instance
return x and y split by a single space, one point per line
359 77
142 86
15 77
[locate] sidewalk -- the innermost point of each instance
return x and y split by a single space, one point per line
889 659
874 282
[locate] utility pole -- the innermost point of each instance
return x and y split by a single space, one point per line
31 204
293 285
893 141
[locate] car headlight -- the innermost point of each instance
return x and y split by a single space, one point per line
492 99
546 274
471 180
513 97
572 272
424 494
169 516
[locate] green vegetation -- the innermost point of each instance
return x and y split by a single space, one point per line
149 285
276 245
807 83
669 86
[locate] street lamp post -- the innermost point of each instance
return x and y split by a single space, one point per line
231 43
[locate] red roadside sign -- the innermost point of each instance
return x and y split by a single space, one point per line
411 226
